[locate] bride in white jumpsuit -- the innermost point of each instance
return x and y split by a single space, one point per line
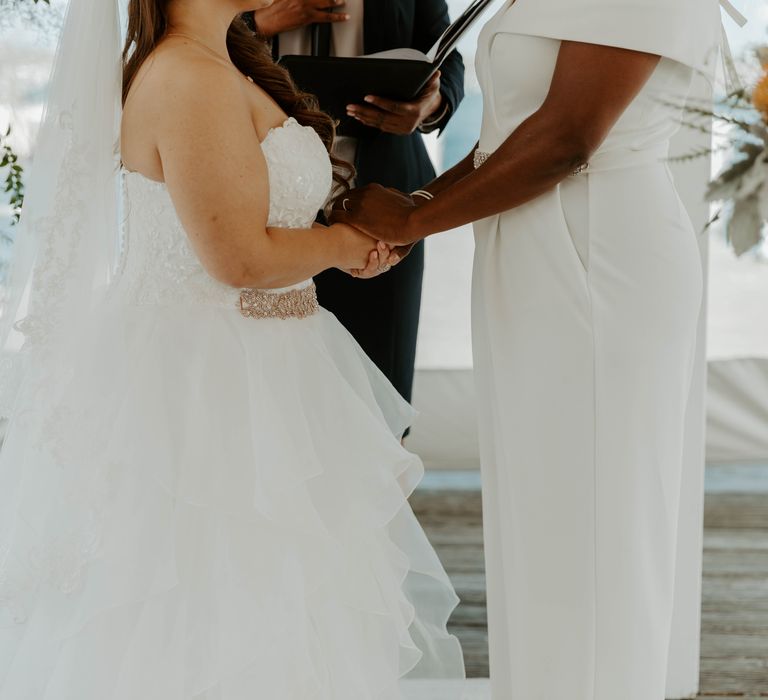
586 295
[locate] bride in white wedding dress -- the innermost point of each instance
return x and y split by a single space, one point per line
203 495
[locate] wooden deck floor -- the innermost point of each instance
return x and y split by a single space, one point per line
734 655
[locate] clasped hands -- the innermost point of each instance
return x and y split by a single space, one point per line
383 216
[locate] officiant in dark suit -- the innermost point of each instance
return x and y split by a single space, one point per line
381 313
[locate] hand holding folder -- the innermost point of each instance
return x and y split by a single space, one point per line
399 74
402 118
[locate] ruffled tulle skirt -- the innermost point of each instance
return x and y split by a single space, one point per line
209 507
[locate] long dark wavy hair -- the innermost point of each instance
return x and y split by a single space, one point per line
249 52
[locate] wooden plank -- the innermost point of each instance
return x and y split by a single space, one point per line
736 621
735 644
734 675
736 511
752 539
731 696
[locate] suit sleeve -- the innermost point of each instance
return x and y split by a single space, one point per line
430 22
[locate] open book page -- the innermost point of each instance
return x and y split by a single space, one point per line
447 41
401 54
451 36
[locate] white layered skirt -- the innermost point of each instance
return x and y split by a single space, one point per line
210 507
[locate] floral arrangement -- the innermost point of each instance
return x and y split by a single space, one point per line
742 186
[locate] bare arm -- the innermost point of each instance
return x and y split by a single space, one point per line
591 87
218 180
450 177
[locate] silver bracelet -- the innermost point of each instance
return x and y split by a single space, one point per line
422 193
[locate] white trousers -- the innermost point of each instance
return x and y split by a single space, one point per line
585 305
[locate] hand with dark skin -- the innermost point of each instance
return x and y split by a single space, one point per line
591 87
389 116
401 118
285 15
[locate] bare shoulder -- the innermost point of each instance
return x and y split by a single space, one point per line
177 79
178 93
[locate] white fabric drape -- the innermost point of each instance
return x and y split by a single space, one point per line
445 434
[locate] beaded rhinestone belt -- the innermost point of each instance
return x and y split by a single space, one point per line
296 303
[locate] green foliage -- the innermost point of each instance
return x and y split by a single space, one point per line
734 110
14 183
742 185
698 153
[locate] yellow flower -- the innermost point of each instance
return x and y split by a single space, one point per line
760 96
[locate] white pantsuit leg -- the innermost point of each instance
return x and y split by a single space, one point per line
583 377
585 308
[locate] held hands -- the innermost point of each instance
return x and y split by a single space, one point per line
383 213
359 255
399 117
284 15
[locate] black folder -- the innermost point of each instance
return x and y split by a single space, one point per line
399 74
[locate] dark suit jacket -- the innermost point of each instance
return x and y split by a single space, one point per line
389 159
383 313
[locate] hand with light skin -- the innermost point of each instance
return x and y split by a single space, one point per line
393 117
285 15
222 194
360 256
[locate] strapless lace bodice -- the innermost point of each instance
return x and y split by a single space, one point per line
158 263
